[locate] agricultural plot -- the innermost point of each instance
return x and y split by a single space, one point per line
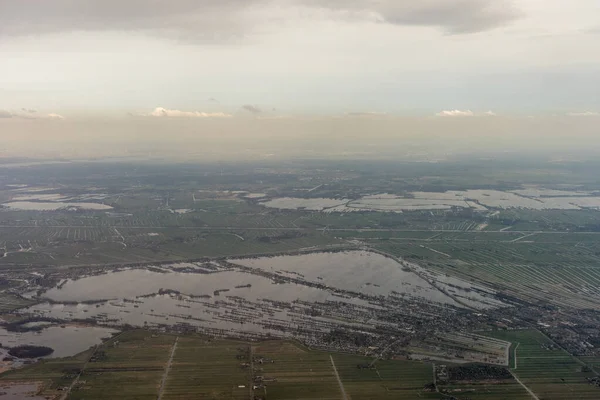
295 373
547 370
133 365
486 390
130 366
10 302
554 269
385 379
54 374
208 369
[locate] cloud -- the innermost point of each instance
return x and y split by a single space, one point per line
584 114
490 113
163 112
222 20
455 113
595 30
276 117
25 113
365 114
451 16
214 20
252 109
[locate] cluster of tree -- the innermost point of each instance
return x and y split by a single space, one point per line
283 236
28 351
478 372
21 325
342 336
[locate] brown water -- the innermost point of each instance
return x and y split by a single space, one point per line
355 288
66 341
19 391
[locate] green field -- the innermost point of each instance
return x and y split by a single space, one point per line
550 372
207 369
387 379
132 366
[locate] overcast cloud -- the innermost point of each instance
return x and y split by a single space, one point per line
222 19
28 114
163 112
329 57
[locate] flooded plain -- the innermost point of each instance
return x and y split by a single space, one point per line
65 340
374 274
53 206
479 200
19 391
291 295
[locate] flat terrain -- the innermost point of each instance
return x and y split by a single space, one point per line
133 365
543 262
546 369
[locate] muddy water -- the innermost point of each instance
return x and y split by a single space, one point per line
53 206
19 391
66 341
138 282
357 271
257 295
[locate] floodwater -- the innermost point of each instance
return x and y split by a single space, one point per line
374 274
272 295
53 206
356 271
479 200
19 391
293 203
66 341
133 283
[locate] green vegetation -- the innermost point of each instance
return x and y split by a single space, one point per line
54 373
28 351
9 302
208 369
386 379
296 372
546 369
132 365
129 366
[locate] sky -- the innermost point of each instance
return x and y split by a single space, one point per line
261 58
216 79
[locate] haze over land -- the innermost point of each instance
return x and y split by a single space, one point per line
343 137
331 199
303 78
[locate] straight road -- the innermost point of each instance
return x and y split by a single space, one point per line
344 396
167 369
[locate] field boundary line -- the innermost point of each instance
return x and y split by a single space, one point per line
533 395
515 353
167 369
76 380
335 371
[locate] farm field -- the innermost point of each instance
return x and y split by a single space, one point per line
137 365
183 248
487 390
208 369
557 268
387 380
550 372
132 366
298 373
